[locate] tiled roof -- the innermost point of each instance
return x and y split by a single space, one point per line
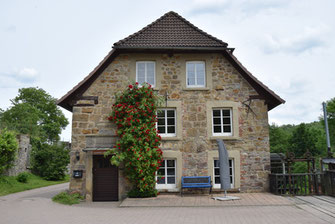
170 31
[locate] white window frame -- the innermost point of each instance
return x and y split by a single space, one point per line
232 174
145 72
222 133
166 125
166 185
195 73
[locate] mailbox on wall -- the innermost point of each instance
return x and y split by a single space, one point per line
77 173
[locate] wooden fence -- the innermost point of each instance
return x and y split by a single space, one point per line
297 184
329 182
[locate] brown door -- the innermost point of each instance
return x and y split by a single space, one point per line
105 179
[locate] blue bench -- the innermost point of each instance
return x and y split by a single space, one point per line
196 182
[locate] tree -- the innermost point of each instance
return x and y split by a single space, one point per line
134 113
8 149
50 161
302 140
279 139
35 112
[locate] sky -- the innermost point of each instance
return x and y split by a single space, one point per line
289 45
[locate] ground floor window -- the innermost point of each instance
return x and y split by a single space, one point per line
166 175
217 183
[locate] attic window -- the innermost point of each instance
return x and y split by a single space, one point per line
145 72
195 74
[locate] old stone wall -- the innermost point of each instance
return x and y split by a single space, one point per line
195 141
22 160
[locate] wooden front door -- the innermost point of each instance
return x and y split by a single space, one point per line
105 179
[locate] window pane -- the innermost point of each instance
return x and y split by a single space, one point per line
160 180
141 72
226 112
162 164
161 129
217 129
217 120
170 121
217 171
171 180
216 113
161 113
170 163
170 171
217 180
216 163
170 113
171 129
226 120
226 129
200 68
230 163
161 172
190 74
161 121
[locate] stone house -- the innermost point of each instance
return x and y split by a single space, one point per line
209 95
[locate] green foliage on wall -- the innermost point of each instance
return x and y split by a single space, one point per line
134 113
8 149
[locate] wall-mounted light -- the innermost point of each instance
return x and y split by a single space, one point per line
78 155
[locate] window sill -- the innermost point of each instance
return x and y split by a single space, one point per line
225 138
196 88
171 138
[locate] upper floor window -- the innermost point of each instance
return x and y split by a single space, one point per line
166 122
145 72
222 122
195 74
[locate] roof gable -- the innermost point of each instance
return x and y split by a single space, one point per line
170 31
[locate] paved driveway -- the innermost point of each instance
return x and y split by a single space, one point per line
35 207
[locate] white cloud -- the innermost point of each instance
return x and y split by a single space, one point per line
312 38
18 78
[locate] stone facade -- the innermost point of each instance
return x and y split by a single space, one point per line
22 161
194 144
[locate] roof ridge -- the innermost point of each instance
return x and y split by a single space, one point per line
198 29
162 17
141 30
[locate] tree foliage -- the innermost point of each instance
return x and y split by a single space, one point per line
50 160
8 149
134 113
34 112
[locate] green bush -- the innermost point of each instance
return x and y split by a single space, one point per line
50 161
135 193
22 177
8 149
68 198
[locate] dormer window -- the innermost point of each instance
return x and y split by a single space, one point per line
195 74
145 72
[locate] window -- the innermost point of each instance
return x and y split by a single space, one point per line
195 74
166 174
145 72
166 122
222 122
217 183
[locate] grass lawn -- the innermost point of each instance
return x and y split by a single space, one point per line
9 185
67 198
